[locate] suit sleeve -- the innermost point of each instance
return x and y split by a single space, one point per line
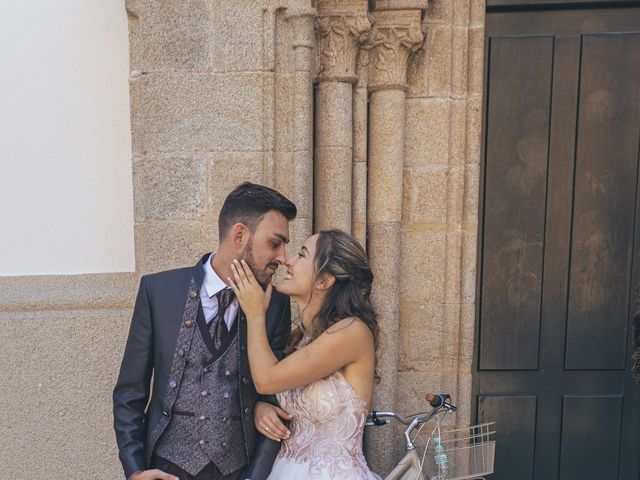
267 449
278 341
131 393
283 328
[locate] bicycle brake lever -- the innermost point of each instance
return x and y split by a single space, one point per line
377 421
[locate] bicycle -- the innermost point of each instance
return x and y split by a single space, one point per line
460 454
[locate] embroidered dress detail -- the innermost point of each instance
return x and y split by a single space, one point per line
326 432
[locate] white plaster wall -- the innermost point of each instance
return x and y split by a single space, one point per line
66 202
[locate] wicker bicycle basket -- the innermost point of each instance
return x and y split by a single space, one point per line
469 453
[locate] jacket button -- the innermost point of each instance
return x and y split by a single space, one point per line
204 393
202 417
193 295
224 419
188 323
227 373
172 384
226 395
166 414
224 444
201 442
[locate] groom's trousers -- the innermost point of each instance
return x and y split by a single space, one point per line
210 472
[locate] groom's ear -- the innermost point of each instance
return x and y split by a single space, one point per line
240 235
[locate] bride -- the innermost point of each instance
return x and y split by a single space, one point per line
326 382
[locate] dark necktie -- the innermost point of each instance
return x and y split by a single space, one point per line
218 327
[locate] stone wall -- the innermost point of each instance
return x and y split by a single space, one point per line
440 206
62 340
207 78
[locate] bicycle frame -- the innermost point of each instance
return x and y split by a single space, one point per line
410 466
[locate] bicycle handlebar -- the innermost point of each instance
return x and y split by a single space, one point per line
439 401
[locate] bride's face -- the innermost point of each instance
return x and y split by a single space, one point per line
300 270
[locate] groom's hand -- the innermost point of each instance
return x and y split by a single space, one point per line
267 419
154 474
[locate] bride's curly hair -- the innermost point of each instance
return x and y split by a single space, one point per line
340 255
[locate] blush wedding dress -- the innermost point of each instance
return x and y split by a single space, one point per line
326 432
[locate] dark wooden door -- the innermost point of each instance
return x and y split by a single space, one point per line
560 243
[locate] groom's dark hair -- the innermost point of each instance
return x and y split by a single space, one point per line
248 203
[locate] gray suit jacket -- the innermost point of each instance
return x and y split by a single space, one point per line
149 352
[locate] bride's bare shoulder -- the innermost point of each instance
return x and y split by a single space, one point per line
351 327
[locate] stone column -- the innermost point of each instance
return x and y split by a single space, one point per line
395 34
342 26
302 21
360 107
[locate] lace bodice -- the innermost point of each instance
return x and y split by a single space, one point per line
326 429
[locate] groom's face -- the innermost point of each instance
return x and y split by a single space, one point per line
264 251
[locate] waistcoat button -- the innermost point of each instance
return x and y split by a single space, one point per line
201 442
202 417
226 395
172 384
204 393
193 295
227 373
188 323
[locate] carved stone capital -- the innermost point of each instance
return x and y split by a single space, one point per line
395 34
341 27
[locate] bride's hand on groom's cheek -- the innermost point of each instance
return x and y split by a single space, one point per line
253 300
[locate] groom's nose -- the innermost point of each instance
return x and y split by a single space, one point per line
281 257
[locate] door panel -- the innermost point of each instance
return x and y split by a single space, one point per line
517 165
516 415
559 243
590 443
604 201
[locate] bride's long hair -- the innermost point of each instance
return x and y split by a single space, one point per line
340 255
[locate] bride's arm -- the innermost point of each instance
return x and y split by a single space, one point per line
343 343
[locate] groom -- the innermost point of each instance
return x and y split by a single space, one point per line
189 335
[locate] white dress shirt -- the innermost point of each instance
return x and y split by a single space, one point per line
211 285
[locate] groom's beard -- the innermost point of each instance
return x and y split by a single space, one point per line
262 275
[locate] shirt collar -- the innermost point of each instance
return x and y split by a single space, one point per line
212 282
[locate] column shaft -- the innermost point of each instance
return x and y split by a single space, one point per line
302 20
360 107
342 26
395 34
333 167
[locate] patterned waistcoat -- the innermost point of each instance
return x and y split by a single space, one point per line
206 421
